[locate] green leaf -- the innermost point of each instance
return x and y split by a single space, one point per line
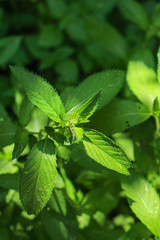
109 83
139 77
144 55
63 152
79 155
138 231
104 8
119 115
57 8
144 201
55 136
7 133
7 166
38 121
38 176
85 109
50 36
21 140
8 47
99 32
78 134
32 45
59 182
25 112
156 107
134 12
126 143
40 93
69 187
68 71
75 28
106 152
156 17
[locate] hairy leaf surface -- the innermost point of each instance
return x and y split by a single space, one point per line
106 152
38 176
40 93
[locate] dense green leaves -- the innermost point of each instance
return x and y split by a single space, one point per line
38 177
64 227
92 202
99 32
106 152
140 77
77 173
61 216
119 115
109 83
57 202
144 201
40 93
7 133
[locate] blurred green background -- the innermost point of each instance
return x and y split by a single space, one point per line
65 41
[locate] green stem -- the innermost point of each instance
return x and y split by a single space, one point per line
157 126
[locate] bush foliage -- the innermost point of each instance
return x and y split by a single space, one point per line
79 120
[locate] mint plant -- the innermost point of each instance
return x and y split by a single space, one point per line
83 162
68 134
66 127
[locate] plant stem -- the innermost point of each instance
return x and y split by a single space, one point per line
157 126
